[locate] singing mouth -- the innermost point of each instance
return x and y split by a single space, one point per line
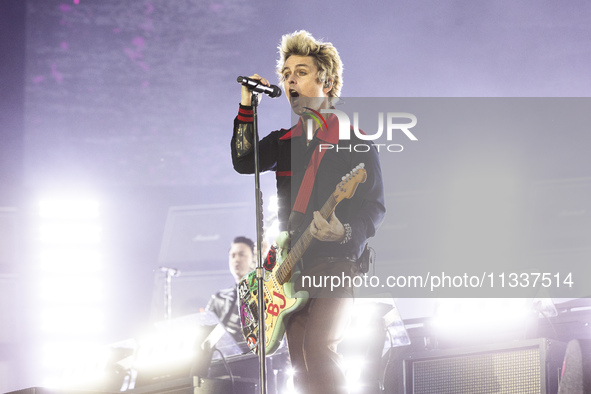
293 93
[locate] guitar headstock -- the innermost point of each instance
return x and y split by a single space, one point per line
346 188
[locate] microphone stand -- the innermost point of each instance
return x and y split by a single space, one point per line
170 272
260 272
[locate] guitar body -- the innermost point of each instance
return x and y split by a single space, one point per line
280 299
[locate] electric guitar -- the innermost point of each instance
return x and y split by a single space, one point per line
280 297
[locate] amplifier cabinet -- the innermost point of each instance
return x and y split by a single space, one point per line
527 366
198 385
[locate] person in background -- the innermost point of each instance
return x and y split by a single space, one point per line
224 303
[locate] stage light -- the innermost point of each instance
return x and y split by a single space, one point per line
289 384
272 231
65 320
70 290
481 317
272 227
290 371
68 355
173 350
366 317
273 205
68 278
72 233
363 345
354 368
166 348
545 306
83 366
68 260
68 209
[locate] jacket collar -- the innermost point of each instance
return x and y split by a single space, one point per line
329 132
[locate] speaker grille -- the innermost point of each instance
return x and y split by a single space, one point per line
519 367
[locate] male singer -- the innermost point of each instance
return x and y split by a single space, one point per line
311 74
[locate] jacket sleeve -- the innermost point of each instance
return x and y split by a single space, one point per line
242 145
215 305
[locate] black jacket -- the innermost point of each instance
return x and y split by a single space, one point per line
286 153
225 306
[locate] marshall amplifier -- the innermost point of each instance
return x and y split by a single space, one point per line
529 367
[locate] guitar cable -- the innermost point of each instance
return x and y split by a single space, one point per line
383 382
228 369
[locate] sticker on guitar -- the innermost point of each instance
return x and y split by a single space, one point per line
271 258
273 308
243 291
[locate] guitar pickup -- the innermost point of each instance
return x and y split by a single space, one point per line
254 309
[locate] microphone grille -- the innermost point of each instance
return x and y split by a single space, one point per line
276 91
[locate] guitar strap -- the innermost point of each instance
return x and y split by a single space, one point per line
328 133
303 198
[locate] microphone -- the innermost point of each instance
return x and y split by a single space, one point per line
271 91
170 271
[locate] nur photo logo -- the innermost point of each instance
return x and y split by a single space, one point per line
389 126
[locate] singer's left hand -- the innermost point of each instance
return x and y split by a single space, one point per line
323 230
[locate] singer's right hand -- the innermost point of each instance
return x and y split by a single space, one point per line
246 93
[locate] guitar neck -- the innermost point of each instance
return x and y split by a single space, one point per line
297 251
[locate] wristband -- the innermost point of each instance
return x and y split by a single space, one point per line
348 233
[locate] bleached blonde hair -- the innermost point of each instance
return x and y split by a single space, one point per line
326 57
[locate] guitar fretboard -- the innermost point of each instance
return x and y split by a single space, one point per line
296 252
